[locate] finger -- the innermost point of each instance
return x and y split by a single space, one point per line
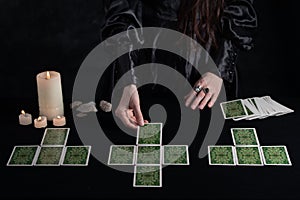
197 100
189 98
126 121
146 121
205 100
212 101
138 114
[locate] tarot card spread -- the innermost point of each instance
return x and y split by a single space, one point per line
23 156
253 108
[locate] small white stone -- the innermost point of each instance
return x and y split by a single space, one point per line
75 104
105 106
87 107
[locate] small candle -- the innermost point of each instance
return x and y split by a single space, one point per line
25 118
59 121
40 122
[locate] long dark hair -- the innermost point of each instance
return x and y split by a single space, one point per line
201 18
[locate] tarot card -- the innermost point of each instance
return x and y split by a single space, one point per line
281 109
276 155
149 134
248 156
23 155
221 155
122 155
250 113
147 176
244 136
148 155
233 109
175 155
55 136
76 155
49 156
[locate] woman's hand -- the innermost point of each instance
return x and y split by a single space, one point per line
201 99
128 110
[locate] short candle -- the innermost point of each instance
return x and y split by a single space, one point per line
25 118
40 122
59 121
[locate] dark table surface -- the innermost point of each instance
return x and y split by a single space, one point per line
198 180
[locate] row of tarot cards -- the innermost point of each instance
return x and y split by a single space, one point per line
253 108
148 156
247 151
51 152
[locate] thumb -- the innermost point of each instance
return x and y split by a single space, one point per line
138 114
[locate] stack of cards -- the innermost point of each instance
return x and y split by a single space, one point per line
253 108
148 156
51 152
247 151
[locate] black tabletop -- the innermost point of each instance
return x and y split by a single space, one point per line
197 180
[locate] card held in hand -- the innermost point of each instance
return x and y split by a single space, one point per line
149 134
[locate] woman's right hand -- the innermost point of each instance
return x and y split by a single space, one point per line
128 110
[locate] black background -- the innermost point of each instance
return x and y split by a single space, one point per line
57 35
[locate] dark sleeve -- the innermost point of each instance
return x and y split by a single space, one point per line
239 24
121 15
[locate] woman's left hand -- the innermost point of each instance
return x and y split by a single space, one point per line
199 100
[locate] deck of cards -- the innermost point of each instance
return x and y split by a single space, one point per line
148 156
253 108
51 152
247 151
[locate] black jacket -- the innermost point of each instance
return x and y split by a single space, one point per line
238 25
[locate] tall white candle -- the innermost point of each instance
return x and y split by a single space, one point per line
50 94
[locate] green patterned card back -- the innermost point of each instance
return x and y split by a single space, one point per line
76 155
150 134
233 109
175 155
121 155
244 136
148 155
276 155
248 155
147 176
55 136
23 156
50 156
221 155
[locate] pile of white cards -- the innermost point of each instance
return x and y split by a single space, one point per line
253 108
